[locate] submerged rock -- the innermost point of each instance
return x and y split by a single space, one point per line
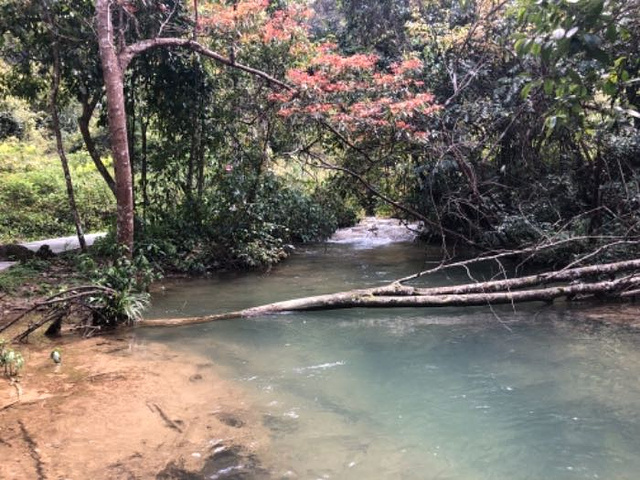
231 420
280 425
233 463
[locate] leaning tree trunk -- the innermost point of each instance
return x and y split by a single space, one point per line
55 120
113 75
88 107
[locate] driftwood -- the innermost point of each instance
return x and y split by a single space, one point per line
612 280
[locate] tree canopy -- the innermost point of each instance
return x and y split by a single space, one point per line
497 124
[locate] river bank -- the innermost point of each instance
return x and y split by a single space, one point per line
117 409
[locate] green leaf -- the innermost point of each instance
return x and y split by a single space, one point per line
619 61
548 86
526 90
519 46
536 48
550 124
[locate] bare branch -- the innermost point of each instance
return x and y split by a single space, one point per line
502 254
131 51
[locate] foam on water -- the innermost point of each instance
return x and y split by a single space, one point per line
373 232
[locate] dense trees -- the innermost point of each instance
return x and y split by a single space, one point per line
497 123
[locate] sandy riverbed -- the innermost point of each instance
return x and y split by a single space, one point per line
118 410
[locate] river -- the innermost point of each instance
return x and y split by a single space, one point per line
459 394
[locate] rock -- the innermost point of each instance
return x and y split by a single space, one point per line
175 471
15 252
232 463
45 253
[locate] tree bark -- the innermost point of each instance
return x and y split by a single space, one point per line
115 60
489 293
88 107
55 120
143 173
113 74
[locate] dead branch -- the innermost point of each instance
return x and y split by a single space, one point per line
475 294
60 306
489 256
82 291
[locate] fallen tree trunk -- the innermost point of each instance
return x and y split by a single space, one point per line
508 291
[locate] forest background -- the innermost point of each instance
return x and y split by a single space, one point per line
498 124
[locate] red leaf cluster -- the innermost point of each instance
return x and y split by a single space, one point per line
356 97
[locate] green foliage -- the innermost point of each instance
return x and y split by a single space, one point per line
119 308
19 121
11 360
33 198
537 137
127 281
579 50
128 275
226 231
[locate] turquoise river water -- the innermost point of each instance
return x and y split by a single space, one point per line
457 394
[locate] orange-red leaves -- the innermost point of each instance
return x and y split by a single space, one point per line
338 64
420 102
283 25
228 18
412 64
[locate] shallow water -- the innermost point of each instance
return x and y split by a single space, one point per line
417 393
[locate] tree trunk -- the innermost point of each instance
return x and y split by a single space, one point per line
55 120
143 173
113 75
88 106
489 293
115 56
131 136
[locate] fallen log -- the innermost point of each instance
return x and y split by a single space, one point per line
495 292
514 283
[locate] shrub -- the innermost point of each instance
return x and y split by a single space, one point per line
11 361
33 196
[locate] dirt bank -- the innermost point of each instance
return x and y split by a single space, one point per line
118 410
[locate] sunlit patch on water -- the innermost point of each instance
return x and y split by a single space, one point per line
322 366
418 393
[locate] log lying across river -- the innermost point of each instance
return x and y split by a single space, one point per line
610 280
